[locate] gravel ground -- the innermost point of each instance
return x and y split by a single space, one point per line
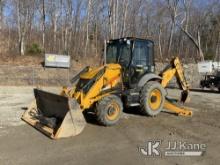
20 144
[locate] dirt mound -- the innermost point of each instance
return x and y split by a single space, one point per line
26 60
21 60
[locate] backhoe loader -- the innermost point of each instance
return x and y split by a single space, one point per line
126 79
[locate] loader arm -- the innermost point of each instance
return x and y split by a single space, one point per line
94 85
175 69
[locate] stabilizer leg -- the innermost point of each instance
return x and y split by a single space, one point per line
182 111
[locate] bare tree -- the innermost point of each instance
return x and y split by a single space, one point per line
1 15
187 5
54 14
172 6
217 50
111 18
68 24
80 26
196 42
87 24
125 9
184 28
22 20
159 42
43 17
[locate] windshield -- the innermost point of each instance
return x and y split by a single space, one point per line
118 52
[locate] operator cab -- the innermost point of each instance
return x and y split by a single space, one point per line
135 55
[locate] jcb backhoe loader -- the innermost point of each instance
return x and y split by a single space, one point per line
126 79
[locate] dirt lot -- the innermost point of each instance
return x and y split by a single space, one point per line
20 144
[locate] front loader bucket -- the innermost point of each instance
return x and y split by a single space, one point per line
54 115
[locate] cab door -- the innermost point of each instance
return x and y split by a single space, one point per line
142 60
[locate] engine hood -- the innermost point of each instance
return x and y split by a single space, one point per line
93 71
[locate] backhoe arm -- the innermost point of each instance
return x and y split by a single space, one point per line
175 69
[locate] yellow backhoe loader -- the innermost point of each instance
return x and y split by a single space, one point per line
126 79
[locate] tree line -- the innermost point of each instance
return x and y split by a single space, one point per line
188 28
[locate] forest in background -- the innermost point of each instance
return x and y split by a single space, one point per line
187 28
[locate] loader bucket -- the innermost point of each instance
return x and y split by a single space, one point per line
54 115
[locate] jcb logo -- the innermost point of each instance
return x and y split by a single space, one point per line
151 148
51 58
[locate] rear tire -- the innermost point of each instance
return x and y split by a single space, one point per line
152 98
109 110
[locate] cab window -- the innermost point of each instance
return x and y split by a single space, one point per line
124 54
140 54
111 53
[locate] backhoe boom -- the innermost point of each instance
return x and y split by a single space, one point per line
175 69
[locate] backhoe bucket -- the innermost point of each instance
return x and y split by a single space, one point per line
185 96
54 115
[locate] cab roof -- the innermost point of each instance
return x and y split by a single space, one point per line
131 38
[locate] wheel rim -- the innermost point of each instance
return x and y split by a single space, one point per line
112 111
155 99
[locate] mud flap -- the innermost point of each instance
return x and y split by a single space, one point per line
54 115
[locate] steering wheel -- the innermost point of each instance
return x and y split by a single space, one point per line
123 63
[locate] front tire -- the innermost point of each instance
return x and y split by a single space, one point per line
152 98
109 110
